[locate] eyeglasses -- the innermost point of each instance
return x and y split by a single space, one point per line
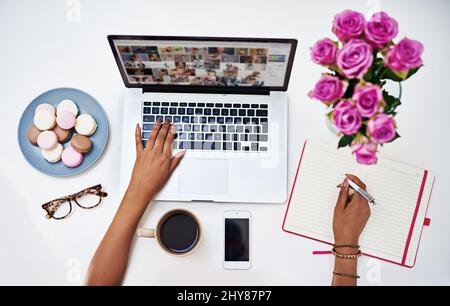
87 199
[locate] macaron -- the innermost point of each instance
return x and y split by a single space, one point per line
53 155
47 140
62 134
65 120
81 143
32 134
67 105
85 125
44 120
71 158
45 106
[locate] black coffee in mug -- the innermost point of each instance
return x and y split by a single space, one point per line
179 232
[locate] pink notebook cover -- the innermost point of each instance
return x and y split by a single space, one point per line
413 221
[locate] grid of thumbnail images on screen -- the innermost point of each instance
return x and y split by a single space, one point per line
202 66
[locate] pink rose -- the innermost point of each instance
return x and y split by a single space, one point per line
381 129
324 52
366 152
348 25
367 99
355 58
406 55
346 117
329 89
381 30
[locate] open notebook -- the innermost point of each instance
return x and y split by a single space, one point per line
401 192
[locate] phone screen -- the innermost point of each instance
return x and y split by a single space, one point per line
236 239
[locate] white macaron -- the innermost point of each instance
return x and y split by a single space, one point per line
45 106
85 125
53 155
67 106
44 120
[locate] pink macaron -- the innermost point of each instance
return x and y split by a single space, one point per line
47 140
71 158
65 120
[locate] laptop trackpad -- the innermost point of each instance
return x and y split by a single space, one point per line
203 176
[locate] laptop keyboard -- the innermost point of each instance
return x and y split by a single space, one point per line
211 126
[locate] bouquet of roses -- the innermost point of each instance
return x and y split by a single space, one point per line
360 64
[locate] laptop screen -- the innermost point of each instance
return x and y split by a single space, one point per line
201 62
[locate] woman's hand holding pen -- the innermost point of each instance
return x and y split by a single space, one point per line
351 214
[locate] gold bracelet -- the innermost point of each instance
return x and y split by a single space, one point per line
347 275
347 256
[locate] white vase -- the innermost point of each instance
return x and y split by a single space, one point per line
332 127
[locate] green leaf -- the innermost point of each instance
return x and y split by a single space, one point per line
388 74
399 76
391 103
412 72
351 87
378 72
374 72
362 129
345 140
370 75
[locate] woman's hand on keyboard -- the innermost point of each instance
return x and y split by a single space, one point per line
154 164
153 167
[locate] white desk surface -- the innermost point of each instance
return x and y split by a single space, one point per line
44 48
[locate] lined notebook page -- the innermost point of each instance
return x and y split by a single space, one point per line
395 187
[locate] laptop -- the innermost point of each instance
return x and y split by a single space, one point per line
227 99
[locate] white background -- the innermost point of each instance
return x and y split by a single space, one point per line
44 44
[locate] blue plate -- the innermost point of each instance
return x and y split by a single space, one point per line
86 105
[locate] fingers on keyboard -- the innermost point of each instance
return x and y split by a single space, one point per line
210 126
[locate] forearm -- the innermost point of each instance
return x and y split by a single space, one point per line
109 264
345 266
350 217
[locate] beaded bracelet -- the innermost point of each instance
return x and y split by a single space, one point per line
347 256
347 275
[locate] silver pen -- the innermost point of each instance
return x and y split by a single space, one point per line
361 191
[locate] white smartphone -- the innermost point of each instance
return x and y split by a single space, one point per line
237 240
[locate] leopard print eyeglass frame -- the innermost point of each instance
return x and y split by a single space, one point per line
94 193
